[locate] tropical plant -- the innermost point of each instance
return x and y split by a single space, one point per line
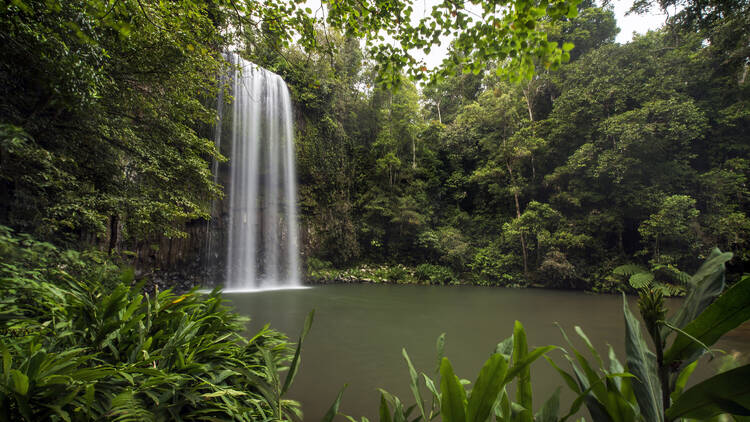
666 278
656 390
607 393
74 349
488 397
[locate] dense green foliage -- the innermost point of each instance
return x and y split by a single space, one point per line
106 106
629 161
630 154
79 343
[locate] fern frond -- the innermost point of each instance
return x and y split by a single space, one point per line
126 407
628 270
641 280
669 289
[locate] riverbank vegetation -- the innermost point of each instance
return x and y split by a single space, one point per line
80 341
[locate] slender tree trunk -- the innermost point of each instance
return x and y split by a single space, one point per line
114 223
413 154
518 215
440 119
526 92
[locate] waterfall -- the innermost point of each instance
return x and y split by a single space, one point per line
262 237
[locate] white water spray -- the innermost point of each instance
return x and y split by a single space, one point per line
263 250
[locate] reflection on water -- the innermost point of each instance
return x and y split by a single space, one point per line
359 331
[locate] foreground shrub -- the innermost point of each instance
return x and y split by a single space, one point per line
75 349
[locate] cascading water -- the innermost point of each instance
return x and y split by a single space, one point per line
262 223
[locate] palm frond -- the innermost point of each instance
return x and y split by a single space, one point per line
628 270
641 280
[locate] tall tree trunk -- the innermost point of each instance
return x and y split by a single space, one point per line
413 153
526 96
114 224
518 215
440 118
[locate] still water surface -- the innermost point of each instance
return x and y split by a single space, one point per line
359 331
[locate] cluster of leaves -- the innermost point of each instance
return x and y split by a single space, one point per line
100 118
321 271
487 399
78 344
653 386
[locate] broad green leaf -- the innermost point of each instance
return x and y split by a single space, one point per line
706 284
486 389
726 313
642 363
682 380
550 408
523 388
20 382
505 347
728 392
453 394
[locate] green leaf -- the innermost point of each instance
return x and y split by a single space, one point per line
20 382
550 408
440 346
385 412
567 46
641 362
453 394
294 366
706 284
505 347
334 409
726 313
641 280
572 384
535 354
127 275
628 270
486 389
523 391
682 380
414 384
728 392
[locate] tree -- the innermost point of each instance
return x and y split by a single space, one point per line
673 222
